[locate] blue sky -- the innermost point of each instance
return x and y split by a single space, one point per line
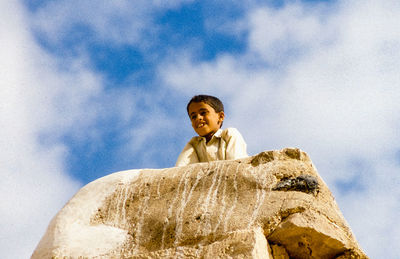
93 87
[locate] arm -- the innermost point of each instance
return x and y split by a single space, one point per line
235 145
187 156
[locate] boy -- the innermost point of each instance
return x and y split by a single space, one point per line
207 115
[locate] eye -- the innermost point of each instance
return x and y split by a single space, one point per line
193 117
203 113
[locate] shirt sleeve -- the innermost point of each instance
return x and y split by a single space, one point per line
187 156
235 145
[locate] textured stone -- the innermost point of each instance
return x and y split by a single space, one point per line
239 244
272 205
302 183
279 252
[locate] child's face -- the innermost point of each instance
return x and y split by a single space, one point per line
205 120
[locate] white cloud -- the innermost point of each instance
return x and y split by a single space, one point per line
326 82
373 213
114 22
279 35
37 101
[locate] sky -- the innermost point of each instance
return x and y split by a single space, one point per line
89 88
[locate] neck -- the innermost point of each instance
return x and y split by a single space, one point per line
209 136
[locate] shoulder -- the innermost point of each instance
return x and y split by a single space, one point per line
230 132
194 141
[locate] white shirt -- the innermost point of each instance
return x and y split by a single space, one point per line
227 144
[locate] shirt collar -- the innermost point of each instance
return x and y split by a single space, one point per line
217 134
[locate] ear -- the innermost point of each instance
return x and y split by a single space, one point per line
221 117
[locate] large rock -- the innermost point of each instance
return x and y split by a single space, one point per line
272 205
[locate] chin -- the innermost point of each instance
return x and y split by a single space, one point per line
202 134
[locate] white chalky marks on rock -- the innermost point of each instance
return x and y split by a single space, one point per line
171 208
120 216
202 203
203 194
158 187
119 219
185 198
127 193
261 181
142 212
116 213
223 213
209 203
233 206
214 197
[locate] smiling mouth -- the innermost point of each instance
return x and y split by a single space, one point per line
201 125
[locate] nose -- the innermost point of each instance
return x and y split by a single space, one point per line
200 117
197 117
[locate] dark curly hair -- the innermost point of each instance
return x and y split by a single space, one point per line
214 102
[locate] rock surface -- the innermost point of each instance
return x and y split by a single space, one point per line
272 205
